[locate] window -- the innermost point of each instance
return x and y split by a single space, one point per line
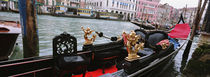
100 3
117 4
151 6
112 11
133 7
120 4
107 2
112 3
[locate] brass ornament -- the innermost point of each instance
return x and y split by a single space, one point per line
164 44
88 32
132 46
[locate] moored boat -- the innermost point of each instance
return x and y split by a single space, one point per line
143 25
9 31
114 59
105 60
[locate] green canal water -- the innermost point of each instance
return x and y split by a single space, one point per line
50 26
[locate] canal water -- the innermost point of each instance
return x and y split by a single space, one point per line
50 26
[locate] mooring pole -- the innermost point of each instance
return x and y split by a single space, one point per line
205 34
207 26
28 19
0 4
195 26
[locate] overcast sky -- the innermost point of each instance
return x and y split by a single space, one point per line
180 3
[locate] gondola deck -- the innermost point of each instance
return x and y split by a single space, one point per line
98 72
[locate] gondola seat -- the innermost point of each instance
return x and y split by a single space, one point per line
142 33
146 51
103 55
106 54
108 50
65 56
153 38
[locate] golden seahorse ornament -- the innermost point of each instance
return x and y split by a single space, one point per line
88 32
132 46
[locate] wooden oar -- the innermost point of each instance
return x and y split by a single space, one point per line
100 34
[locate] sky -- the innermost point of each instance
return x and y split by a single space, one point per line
180 3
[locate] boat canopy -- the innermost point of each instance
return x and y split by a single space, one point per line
180 31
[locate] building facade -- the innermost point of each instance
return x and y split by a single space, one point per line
147 9
167 15
123 7
189 14
4 4
47 6
69 3
83 4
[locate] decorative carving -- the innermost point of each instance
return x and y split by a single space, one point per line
64 44
88 32
164 43
132 46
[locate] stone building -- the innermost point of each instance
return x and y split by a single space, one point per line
124 7
147 9
167 15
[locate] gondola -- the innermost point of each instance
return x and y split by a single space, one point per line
143 25
94 60
104 60
97 60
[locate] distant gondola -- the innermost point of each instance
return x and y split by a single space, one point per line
143 25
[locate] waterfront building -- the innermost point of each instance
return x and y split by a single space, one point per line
47 6
70 6
39 4
4 5
83 4
50 2
13 5
147 9
123 7
167 15
69 3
